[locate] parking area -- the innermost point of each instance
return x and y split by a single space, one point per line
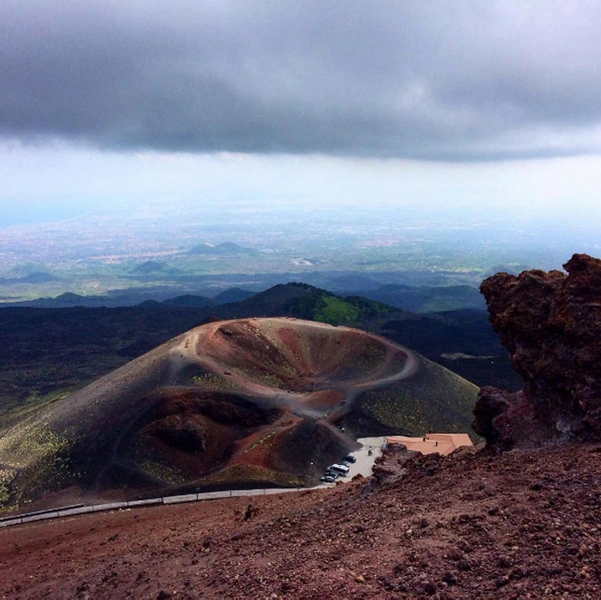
366 455
370 449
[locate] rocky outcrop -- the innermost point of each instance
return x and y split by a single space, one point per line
551 325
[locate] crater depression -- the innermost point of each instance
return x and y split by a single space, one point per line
239 403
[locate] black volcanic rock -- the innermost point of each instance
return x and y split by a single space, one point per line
551 325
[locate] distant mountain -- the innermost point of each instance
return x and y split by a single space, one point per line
235 294
154 267
426 299
149 304
320 305
66 300
190 300
304 301
224 249
115 299
271 302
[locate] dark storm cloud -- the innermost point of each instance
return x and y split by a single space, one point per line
423 79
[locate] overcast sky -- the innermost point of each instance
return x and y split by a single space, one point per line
104 101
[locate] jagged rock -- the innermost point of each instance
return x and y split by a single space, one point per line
551 325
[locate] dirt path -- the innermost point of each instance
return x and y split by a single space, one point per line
187 352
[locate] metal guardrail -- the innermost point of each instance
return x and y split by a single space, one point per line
81 509
40 512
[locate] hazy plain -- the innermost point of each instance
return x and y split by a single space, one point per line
158 246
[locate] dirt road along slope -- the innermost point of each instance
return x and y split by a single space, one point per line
222 406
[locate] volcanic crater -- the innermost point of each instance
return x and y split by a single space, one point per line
239 403
298 356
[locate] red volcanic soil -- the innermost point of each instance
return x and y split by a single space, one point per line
521 525
199 430
268 355
289 381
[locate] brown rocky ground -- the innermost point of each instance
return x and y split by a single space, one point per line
524 524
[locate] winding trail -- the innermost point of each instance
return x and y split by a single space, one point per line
196 348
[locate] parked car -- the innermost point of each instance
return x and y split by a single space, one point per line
328 479
350 459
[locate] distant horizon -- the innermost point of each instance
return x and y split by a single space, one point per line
100 251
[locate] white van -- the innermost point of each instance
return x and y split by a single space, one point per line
342 469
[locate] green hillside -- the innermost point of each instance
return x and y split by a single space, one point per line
323 306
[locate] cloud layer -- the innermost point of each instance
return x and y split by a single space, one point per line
464 80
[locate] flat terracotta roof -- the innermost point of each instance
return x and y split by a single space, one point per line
443 443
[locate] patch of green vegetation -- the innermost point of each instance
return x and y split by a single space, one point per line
434 399
337 312
38 459
369 309
162 472
16 409
268 379
214 382
261 376
237 474
29 443
6 478
261 441
323 306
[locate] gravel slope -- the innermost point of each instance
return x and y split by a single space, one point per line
522 525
